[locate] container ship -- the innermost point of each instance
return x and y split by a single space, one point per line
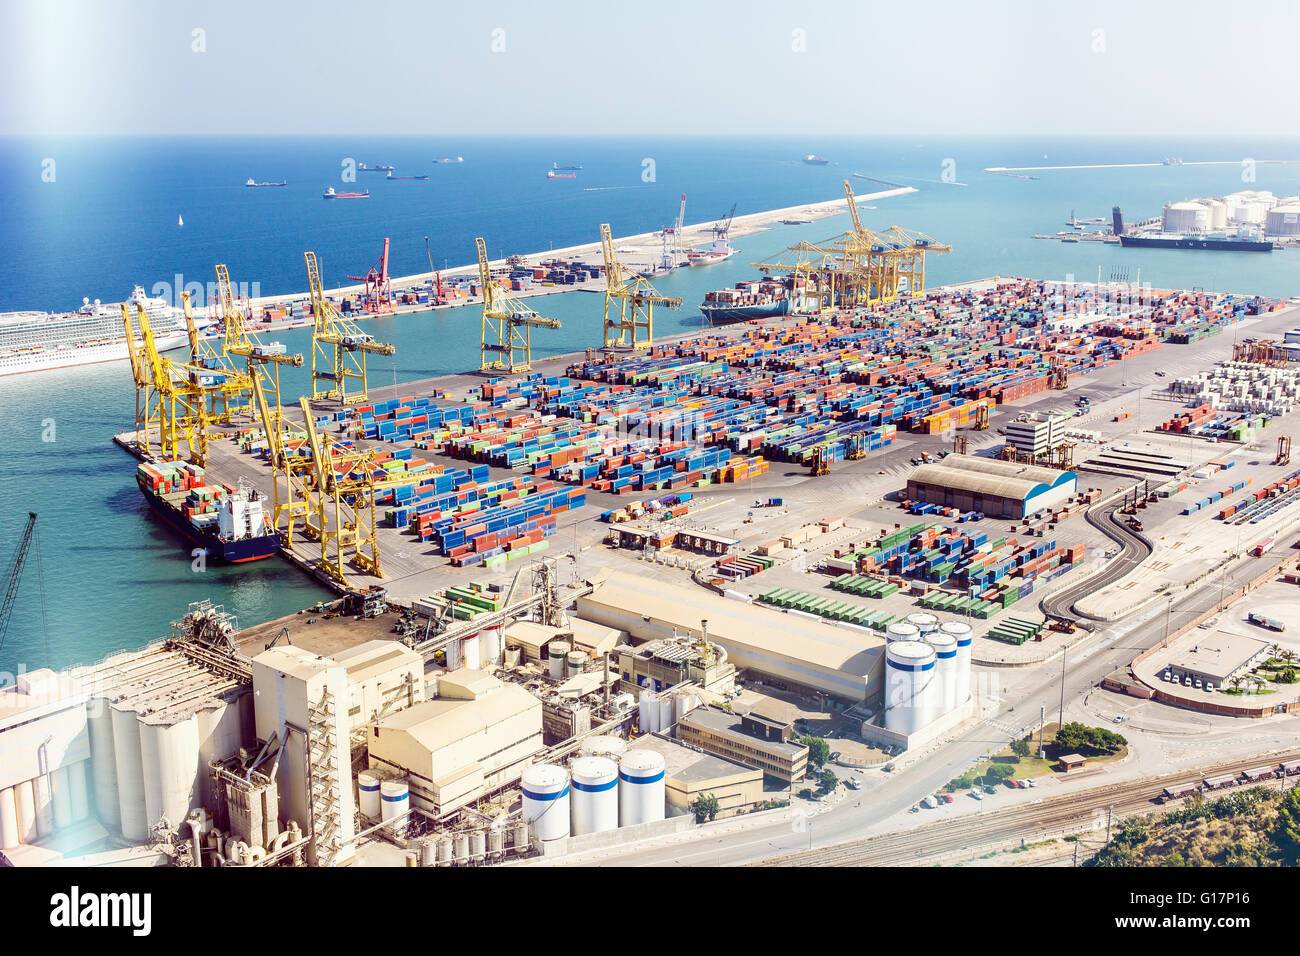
1171 241
38 341
751 299
229 523
331 194
255 185
812 160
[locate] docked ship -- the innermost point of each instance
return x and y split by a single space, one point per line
812 160
552 174
751 299
253 184
329 193
37 341
1165 240
718 251
229 523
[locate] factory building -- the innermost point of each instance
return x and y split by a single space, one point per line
1000 489
754 739
837 665
1037 434
659 665
690 774
382 677
532 640
454 748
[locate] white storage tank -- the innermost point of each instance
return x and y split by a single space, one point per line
490 647
556 652
648 712
962 631
103 765
394 800
595 795
945 667
368 795
546 800
221 734
169 756
665 713
901 631
452 650
604 745
641 794
477 846
909 672
130 774
683 703
469 652
25 804
9 835
574 663
923 621
61 798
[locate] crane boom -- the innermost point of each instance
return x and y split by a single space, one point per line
14 572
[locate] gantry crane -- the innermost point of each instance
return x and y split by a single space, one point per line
295 470
342 503
339 347
261 361
635 298
379 293
506 344
204 356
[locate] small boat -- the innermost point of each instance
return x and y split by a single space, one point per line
391 176
552 174
450 159
381 168
329 193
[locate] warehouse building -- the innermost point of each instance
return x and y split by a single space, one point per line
836 665
1216 659
1000 489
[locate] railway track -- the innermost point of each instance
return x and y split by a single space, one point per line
1136 549
963 836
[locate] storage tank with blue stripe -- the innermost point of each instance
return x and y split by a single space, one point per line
962 631
945 666
546 800
641 794
909 680
594 800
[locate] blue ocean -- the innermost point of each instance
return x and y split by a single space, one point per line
92 217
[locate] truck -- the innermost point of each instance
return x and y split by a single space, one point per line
1263 548
1259 620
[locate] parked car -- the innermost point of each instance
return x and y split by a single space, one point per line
975 795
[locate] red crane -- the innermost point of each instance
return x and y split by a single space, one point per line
379 296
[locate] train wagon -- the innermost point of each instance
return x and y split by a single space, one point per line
1256 774
1290 768
1177 793
1218 783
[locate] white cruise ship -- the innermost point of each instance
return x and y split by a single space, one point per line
35 341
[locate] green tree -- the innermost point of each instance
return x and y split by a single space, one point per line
1020 748
1286 830
999 772
819 751
705 807
827 781
1085 739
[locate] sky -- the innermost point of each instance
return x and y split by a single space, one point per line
583 67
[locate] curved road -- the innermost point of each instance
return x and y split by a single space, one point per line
1134 550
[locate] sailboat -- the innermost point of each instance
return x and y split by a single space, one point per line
179 221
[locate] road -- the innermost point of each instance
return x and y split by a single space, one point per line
1134 550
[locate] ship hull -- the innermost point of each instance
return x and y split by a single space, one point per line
724 315
230 552
51 359
1191 242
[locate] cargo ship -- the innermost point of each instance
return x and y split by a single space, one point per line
552 174
381 168
391 176
253 184
558 166
39 341
1171 241
450 159
331 194
751 299
719 251
812 160
229 523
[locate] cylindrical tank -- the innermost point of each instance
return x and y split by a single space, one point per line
648 712
469 651
945 667
78 790
25 804
640 788
44 805
477 846
665 713
546 800
460 849
169 756
556 652
429 853
61 798
496 844
444 851
9 837
595 795
683 703
221 733
130 775
604 745
368 795
490 647
575 662
962 631
453 655
519 838
394 801
412 859
103 765
909 670
923 621
901 631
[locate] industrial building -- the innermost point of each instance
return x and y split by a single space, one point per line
659 665
455 748
755 739
533 639
382 677
1001 489
1216 659
835 664
690 774
1037 434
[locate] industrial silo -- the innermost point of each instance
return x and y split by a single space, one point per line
546 800
9 835
648 712
490 646
665 713
962 631
452 650
169 757
368 795
594 801
103 766
130 774
909 673
1283 220
945 668
641 796
469 652
574 663
604 745
394 802
923 621
556 652
901 631
221 734
683 703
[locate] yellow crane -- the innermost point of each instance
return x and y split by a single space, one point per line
506 343
262 361
295 470
203 356
629 301
339 347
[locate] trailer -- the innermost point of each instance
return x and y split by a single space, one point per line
1256 774
1263 548
1259 620
1218 783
